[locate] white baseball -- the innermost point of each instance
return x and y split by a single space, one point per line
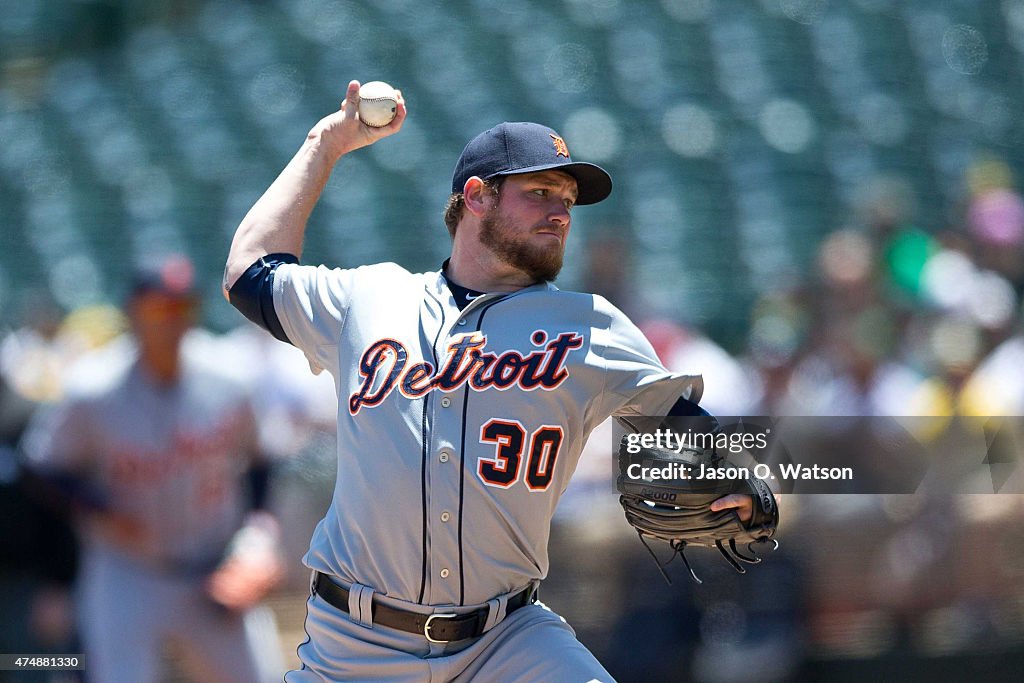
378 103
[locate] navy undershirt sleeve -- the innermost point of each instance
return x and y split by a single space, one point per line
686 408
683 407
253 293
704 421
259 484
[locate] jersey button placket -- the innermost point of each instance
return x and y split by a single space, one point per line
444 502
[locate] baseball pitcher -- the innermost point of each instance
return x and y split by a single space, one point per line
465 398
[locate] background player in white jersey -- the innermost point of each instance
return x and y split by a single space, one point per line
152 446
466 396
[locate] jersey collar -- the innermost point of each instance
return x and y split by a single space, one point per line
439 286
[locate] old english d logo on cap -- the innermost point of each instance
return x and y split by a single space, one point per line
560 147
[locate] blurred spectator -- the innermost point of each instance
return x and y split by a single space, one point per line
995 386
845 363
31 358
995 220
35 357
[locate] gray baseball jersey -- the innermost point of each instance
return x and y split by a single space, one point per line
169 458
458 431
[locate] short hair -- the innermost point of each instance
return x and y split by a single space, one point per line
457 202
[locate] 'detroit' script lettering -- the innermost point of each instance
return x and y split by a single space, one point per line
384 366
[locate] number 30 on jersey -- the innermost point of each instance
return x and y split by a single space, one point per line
511 442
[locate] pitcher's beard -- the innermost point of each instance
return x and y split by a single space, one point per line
541 263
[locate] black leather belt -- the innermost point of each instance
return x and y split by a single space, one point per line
437 628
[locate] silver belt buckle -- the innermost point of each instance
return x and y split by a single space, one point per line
426 626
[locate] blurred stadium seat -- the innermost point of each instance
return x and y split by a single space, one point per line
132 127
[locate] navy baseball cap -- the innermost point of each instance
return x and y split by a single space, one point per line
172 275
522 147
